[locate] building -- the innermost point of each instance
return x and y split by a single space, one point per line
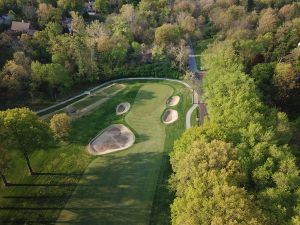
20 26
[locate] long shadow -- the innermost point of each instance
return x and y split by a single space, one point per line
44 185
141 138
36 197
95 199
58 174
144 95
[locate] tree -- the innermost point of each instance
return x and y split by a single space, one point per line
77 24
71 5
187 23
46 13
4 163
4 156
167 34
268 21
15 77
60 125
207 189
286 80
289 11
181 54
102 6
25 132
55 76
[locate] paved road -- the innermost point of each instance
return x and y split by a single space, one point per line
192 60
188 116
196 99
85 93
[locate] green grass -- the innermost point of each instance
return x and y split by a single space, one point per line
163 197
117 188
97 96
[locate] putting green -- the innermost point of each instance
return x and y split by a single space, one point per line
119 188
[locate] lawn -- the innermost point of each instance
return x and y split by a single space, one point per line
117 188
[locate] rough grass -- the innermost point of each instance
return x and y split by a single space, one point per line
115 189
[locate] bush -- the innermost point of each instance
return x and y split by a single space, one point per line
60 125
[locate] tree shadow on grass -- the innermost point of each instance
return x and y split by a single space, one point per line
116 189
40 185
141 138
142 96
58 174
121 193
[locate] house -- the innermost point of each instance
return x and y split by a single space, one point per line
20 26
23 27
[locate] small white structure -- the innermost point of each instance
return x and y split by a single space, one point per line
87 93
299 44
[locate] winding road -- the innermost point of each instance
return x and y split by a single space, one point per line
196 100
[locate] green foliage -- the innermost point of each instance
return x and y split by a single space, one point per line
24 130
268 169
148 70
102 6
262 74
206 188
60 125
167 34
70 5
54 75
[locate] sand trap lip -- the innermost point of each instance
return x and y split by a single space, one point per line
170 116
174 100
122 108
114 138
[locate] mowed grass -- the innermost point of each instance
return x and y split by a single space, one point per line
98 95
114 189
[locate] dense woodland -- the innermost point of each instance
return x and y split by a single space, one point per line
242 165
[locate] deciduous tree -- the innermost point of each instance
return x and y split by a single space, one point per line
60 125
25 132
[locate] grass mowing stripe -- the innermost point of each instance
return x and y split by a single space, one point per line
123 184
129 172
160 214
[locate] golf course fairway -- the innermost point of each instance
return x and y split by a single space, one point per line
119 188
126 187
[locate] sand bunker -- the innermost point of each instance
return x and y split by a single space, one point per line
170 116
174 100
122 108
114 138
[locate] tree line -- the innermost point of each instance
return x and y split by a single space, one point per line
142 38
239 167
